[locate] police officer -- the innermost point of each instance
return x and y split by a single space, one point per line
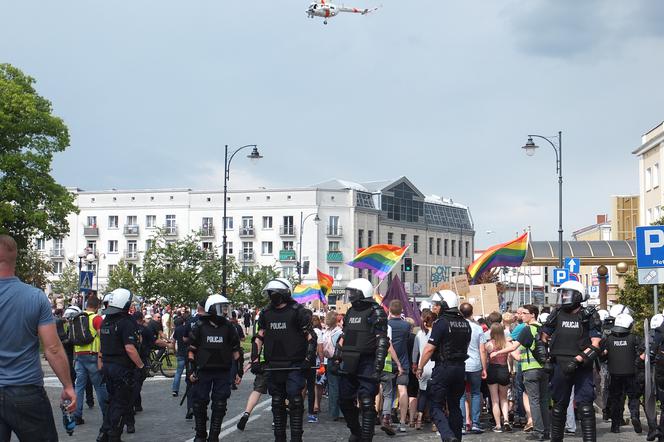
448 347
289 343
621 350
574 334
602 375
213 348
119 356
360 358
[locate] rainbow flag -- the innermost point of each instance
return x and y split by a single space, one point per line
325 282
379 258
509 254
307 293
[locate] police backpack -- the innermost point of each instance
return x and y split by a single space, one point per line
79 330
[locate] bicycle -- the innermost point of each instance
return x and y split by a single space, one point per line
166 363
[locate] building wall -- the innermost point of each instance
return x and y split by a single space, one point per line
624 216
650 171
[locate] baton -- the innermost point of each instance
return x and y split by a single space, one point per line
291 368
186 392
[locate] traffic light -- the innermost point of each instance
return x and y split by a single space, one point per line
305 267
408 264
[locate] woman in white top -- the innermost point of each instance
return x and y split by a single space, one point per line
421 340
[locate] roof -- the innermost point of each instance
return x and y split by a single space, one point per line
543 253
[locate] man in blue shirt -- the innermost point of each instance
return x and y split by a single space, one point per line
26 410
400 334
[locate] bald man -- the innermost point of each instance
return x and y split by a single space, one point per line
21 376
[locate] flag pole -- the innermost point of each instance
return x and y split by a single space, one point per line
391 268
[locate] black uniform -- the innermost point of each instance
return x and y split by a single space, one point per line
450 335
658 352
117 330
365 346
285 346
570 335
213 341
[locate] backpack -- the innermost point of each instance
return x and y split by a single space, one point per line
79 330
329 343
63 334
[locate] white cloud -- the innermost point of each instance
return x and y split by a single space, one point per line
210 175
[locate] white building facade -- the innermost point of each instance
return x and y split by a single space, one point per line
264 228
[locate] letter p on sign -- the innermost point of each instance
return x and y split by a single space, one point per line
654 239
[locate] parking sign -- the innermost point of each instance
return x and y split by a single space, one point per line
560 276
650 247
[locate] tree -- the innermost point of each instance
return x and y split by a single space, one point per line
639 298
68 283
32 268
250 286
31 202
123 277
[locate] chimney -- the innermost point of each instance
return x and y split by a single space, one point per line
601 219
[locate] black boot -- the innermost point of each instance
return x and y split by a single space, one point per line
588 426
217 417
200 421
296 409
351 415
615 426
636 423
103 437
279 418
368 417
558 417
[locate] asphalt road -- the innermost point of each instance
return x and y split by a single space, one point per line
163 420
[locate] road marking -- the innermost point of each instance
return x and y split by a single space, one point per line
54 382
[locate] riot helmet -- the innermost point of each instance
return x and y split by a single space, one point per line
656 321
445 299
425 305
359 289
279 291
216 306
571 294
603 314
623 323
617 309
543 317
117 301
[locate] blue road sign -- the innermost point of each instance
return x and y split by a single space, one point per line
85 281
572 265
650 247
560 276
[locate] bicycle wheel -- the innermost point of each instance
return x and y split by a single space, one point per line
153 363
168 364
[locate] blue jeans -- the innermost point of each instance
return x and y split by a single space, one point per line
86 368
26 411
475 380
178 374
333 394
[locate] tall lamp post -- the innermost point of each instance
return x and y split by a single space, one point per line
530 148
254 155
299 254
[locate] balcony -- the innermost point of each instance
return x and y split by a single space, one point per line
131 230
57 253
171 230
131 255
334 231
247 232
206 231
91 231
287 230
335 256
247 256
287 255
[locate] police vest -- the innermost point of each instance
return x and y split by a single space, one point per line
528 361
284 340
214 345
112 347
570 336
92 347
359 332
455 347
621 354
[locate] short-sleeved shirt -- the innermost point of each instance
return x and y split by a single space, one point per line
155 327
474 363
400 335
517 330
180 333
25 308
147 341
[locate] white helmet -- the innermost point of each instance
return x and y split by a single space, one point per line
71 312
117 301
426 304
216 305
446 298
543 317
623 323
617 309
279 290
656 321
359 289
572 292
603 314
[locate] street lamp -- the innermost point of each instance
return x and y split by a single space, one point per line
253 156
530 148
299 255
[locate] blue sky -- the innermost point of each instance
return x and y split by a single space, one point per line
443 92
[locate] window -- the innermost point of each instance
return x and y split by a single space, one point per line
247 250
207 245
228 221
57 245
288 272
229 247
150 221
92 245
170 221
113 246
453 247
363 199
403 275
430 246
133 269
248 222
360 238
416 241
447 216
438 246
287 245
403 240
333 226
655 176
92 267
266 247
389 278
649 216
333 246
648 180
333 271
111 268
132 246
207 223
460 249
369 274
92 220
369 238
403 204
113 222
267 222
132 220
360 273
57 267
288 228
416 274
149 243
447 241
467 249
390 237
40 243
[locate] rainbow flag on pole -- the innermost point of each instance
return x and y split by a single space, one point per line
380 258
307 293
509 254
325 282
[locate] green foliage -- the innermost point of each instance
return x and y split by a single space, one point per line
659 222
31 202
31 267
123 277
67 284
639 298
250 286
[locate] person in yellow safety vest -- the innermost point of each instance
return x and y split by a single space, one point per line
86 364
387 386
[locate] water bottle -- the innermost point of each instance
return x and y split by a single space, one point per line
68 418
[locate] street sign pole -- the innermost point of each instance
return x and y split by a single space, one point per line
655 302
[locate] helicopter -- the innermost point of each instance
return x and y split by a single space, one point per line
325 9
